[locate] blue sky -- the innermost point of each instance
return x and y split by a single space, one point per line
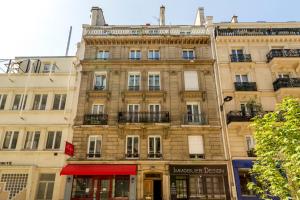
40 27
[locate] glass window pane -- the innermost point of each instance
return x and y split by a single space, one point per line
49 191
56 101
157 145
41 190
2 101
36 102
16 102
44 102
122 186
63 101
57 140
98 146
136 145
50 140
151 145
92 146
7 139
14 140
129 145
28 140
36 140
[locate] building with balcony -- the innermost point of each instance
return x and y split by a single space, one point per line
38 100
147 123
257 65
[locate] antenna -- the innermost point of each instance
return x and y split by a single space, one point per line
68 44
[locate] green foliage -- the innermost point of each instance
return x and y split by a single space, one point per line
277 168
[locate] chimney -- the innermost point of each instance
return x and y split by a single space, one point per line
234 19
162 16
200 18
97 18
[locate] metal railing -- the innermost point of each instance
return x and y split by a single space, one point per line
286 83
132 155
245 86
99 87
197 156
277 53
197 119
134 88
154 87
251 153
241 116
240 58
95 119
256 31
144 117
93 155
154 155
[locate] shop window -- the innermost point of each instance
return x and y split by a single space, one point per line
181 187
45 187
59 101
196 187
245 178
19 102
10 140
122 186
214 186
39 102
82 187
132 147
53 140
14 183
2 101
94 147
196 148
32 140
191 80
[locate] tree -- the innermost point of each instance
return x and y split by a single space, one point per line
277 167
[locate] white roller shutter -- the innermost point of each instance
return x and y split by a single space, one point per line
196 145
191 80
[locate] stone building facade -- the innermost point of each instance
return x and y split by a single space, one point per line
147 124
38 102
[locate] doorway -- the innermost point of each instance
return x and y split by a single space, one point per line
153 187
157 193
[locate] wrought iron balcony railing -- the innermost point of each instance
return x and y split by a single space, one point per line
286 83
245 86
197 156
95 119
189 58
240 116
132 155
99 87
154 87
288 53
251 153
154 155
196 119
240 58
134 88
256 31
93 155
144 117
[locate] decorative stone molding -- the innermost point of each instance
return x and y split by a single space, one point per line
192 95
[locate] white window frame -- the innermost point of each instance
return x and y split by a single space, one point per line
104 54
135 54
133 136
152 53
11 140
188 54
98 109
154 147
54 139
39 107
195 86
155 116
252 142
154 73
1 101
241 78
100 74
61 96
135 74
192 104
94 137
22 103
201 152
34 133
47 186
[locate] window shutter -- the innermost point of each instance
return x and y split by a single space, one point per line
191 80
196 145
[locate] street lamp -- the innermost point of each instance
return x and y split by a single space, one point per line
226 99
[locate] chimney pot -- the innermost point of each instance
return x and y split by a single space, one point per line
97 18
162 16
234 19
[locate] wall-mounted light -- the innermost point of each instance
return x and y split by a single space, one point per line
226 99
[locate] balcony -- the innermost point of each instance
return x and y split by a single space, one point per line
195 119
256 31
132 155
286 83
95 119
144 117
251 153
239 116
154 155
93 155
245 86
283 53
240 58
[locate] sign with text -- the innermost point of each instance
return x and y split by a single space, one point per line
198 169
69 149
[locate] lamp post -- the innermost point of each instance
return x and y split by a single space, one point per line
226 99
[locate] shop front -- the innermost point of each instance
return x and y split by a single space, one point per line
101 182
195 182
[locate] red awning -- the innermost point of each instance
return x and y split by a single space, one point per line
77 169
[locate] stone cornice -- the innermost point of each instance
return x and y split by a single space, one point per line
257 39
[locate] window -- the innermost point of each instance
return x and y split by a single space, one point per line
2 101
237 52
94 147
15 183
97 109
32 140
154 112
103 55
193 113
240 78
181 187
153 55
82 186
45 187
122 186
245 178
283 75
10 140
53 140
134 81
133 112
154 147
135 55
100 81
196 147
237 55
154 81
250 142
47 68
59 101
39 102
132 147
188 54
246 109
191 80
19 102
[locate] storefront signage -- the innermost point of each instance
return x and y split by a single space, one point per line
69 149
197 169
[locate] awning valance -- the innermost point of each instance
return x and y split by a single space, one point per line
81 169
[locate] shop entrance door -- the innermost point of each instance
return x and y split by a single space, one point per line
157 190
102 188
153 186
